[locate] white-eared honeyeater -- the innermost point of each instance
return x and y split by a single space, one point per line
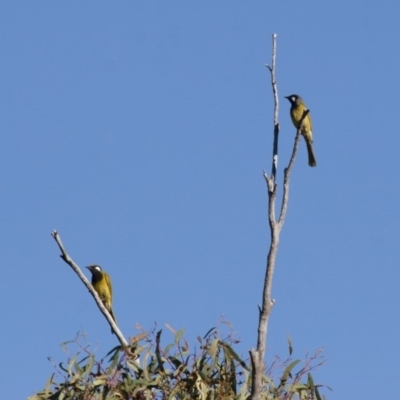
101 283
296 112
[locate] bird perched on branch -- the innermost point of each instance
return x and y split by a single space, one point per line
101 283
297 109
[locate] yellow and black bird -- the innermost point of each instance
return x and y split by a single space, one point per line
296 112
101 283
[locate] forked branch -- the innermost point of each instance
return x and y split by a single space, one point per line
257 355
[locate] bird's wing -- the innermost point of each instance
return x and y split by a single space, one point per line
108 281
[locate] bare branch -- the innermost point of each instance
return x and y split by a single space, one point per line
65 256
276 109
257 355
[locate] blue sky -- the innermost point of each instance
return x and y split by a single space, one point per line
139 130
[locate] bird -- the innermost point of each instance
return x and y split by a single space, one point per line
101 283
296 112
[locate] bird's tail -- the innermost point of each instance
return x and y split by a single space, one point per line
113 317
312 162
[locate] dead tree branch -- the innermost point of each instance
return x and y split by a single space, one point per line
257 355
65 256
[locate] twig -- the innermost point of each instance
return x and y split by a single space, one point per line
65 256
276 109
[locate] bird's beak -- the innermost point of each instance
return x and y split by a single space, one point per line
287 97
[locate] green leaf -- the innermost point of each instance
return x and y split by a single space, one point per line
290 345
61 366
67 343
299 387
317 393
48 383
176 362
114 360
287 371
88 367
99 382
209 331
235 356
168 348
133 365
310 381
212 350
114 350
71 365
178 335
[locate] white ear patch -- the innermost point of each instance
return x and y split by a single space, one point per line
97 268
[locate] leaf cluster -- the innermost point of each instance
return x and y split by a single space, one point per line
146 370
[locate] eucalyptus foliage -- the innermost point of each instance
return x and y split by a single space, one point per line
146 370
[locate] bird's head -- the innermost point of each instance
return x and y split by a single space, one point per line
95 269
294 99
